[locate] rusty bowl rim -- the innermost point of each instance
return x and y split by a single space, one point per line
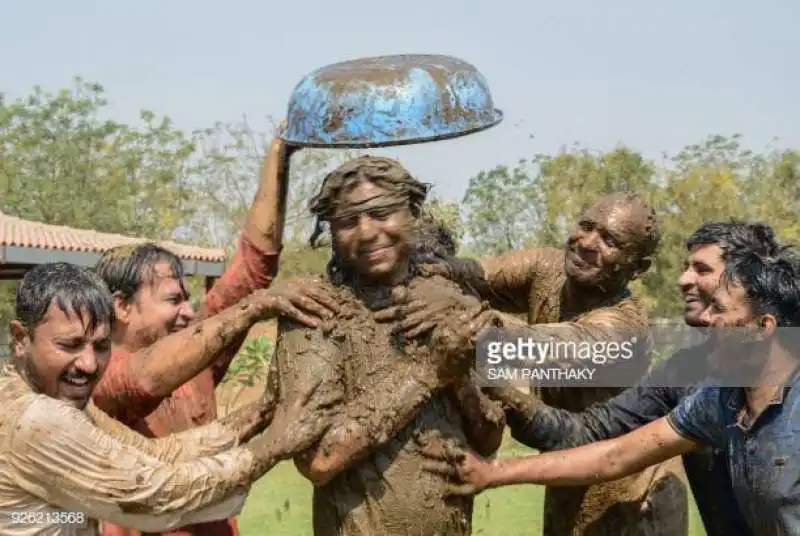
496 120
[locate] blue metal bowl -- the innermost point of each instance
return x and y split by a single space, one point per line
389 100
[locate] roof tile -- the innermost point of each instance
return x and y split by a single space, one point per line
24 233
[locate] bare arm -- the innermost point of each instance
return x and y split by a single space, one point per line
484 419
255 263
134 385
595 463
58 455
505 281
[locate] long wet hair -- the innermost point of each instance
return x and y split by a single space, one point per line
384 172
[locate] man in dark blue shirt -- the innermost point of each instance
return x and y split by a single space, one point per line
757 426
545 428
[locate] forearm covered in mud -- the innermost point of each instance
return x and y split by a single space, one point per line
140 382
371 420
510 276
596 463
59 455
484 419
187 445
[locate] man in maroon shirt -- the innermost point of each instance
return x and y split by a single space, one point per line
161 377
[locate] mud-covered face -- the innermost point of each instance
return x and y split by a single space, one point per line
373 229
699 281
159 308
63 358
605 246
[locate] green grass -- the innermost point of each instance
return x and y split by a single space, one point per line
280 505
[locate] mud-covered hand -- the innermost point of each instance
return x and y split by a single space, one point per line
468 473
453 342
303 299
296 425
465 271
425 304
512 399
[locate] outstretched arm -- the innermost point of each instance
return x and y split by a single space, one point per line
213 438
599 462
543 427
255 263
588 465
697 420
506 280
59 455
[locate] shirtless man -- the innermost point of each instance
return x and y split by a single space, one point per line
581 294
395 397
64 464
161 378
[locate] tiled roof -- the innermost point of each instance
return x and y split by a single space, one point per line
31 234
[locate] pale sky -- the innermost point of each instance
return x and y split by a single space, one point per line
653 75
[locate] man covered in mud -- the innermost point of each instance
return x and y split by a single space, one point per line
162 376
64 464
581 294
395 397
748 407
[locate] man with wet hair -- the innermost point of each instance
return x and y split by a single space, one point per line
64 464
579 294
396 397
748 408
161 378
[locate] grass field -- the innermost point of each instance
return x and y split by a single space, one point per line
280 505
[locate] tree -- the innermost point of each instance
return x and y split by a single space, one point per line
502 208
225 174
61 163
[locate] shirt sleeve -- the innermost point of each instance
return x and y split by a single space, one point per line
60 456
187 445
249 270
120 394
548 428
698 417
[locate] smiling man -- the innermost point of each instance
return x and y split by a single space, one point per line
394 396
751 410
580 294
64 464
162 376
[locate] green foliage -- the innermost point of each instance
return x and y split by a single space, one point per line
249 368
154 181
56 150
715 179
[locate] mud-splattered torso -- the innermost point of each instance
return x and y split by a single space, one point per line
650 503
388 492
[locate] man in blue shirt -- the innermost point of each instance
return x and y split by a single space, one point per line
757 427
